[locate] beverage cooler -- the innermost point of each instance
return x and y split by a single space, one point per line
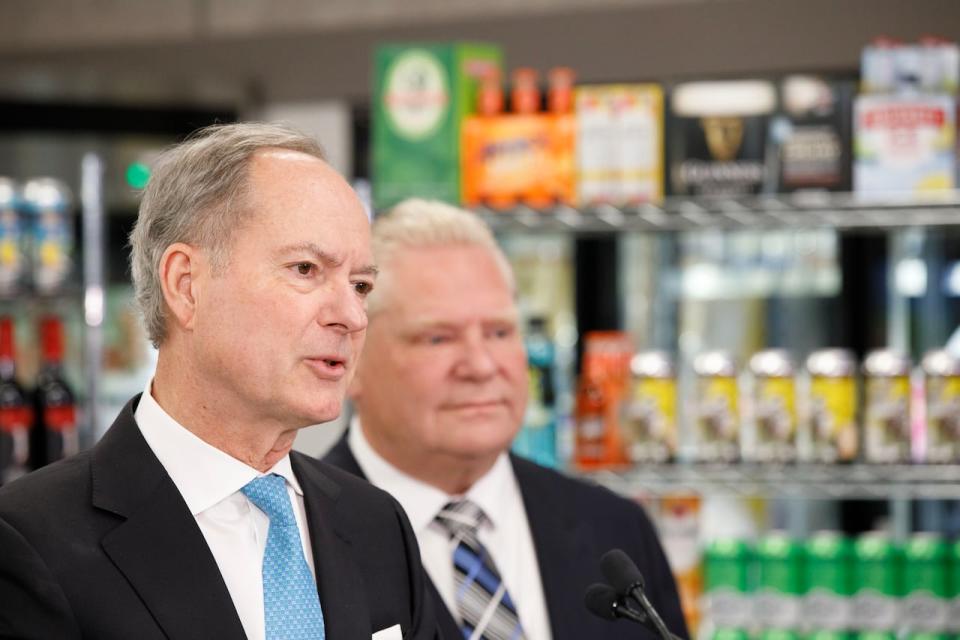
742 302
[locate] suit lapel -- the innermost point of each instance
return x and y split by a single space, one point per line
342 595
159 547
560 546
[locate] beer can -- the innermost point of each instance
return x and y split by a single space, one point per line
829 581
717 413
727 583
887 414
878 583
778 598
954 614
650 408
942 392
833 406
774 406
926 603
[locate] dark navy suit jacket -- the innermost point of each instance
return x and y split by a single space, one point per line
573 524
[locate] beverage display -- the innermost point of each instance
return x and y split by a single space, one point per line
537 438
828 571
727 584
603 382
774 407
16 411
717 411
778 598
48 202
56 434
887 407
926 578
14 239
942 393
650 408
833 406
878 583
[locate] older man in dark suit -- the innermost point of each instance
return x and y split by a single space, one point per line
440 393
192 518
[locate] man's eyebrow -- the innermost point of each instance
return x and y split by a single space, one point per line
321 256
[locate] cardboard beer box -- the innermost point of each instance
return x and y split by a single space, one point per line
421 94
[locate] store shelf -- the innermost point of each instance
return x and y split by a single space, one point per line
859 481
796 211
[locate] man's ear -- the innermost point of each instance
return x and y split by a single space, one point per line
179 267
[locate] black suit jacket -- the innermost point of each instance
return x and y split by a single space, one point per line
103 546
573 524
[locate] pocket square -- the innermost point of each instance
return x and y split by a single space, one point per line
390 633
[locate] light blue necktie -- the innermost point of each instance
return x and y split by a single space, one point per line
291 605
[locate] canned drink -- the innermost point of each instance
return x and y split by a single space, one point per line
778 598
833 406
650 408
942 392
878 583
887 419
717 414
47 201
13 240
829 581
727 583
730 634
876 635
926 603
775 406
823 634
954 614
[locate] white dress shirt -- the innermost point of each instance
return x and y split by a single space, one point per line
505 533
210 482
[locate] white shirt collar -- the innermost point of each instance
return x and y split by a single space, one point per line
204 474
423 501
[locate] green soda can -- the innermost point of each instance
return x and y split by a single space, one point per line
926 635
926 604
878 583
828 571
779 595
729 634
778 634
954 613
876 635
825 634
727 583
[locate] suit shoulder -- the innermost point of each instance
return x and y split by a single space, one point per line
350 485
583 496
46 492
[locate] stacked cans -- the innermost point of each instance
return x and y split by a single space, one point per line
830 586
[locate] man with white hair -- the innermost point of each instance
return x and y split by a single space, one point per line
440 393
192 518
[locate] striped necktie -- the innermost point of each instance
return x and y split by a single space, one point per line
485 608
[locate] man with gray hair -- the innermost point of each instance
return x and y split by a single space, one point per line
440 393
192 517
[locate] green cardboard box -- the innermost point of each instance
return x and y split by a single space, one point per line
422 93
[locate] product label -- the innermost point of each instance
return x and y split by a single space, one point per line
923 611
728 608
875 611
416 94
831 611
718 424
943 419
833 419
887 427
60 418
649 417
776 419
776 610
15 418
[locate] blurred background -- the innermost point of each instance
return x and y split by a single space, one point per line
735 226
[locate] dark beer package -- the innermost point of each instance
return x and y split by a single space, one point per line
720 137
810 137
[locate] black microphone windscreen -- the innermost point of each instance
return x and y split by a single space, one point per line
600 600
620 571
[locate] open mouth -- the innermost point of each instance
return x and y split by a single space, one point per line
328 368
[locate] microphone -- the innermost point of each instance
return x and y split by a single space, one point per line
602 601
627 581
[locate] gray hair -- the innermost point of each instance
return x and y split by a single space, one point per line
418 224
195 195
